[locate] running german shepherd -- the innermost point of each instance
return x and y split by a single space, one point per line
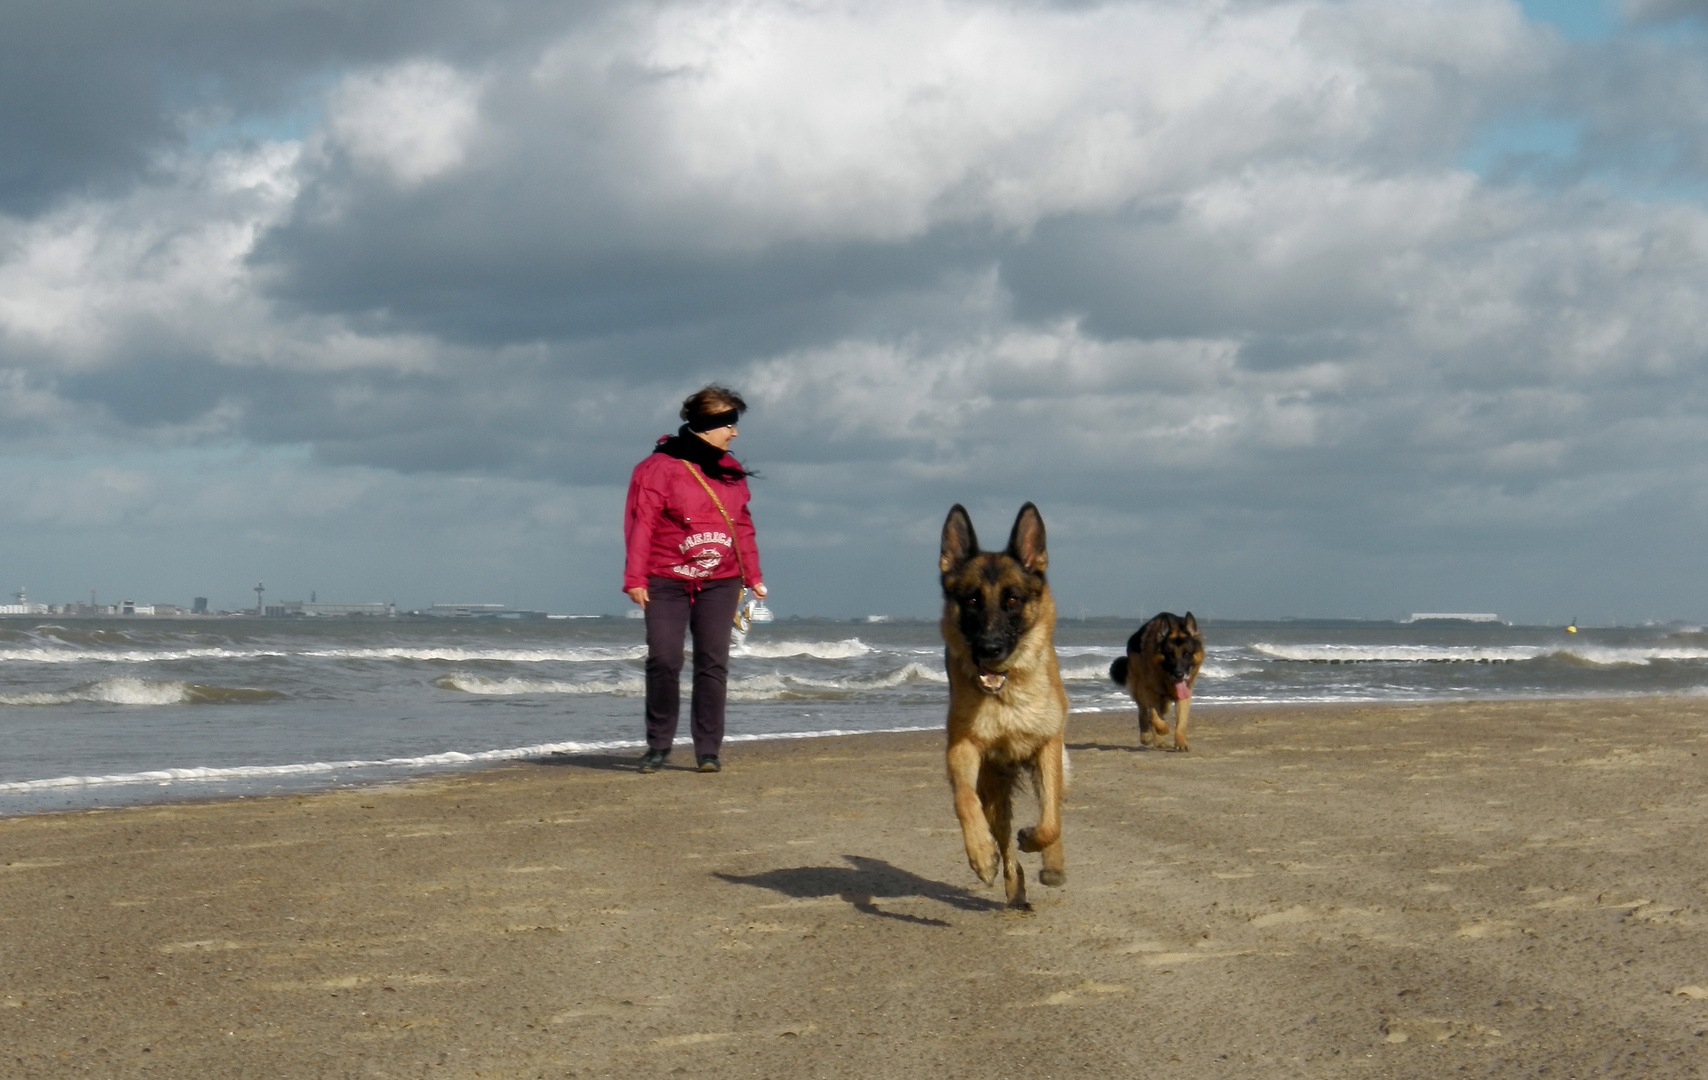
1007 705
1162 662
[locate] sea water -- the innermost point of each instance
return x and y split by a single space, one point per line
115 712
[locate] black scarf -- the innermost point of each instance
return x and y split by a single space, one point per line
691 448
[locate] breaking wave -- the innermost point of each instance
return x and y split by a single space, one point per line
143 692
482 684
822 650
767 687
1088 673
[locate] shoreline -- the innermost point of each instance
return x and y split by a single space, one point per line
246 781
1485 888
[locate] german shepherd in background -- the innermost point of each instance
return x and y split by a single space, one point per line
1007 705
1162 662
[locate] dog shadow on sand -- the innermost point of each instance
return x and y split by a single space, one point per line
1121 747
863 884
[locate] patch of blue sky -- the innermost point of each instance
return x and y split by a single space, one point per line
209 126
1551 151
289 126
1502 149
1589 21
1577 20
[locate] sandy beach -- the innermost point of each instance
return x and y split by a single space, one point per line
1508 889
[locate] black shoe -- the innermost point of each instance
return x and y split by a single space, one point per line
653 760
707 763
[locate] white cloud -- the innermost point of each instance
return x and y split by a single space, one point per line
79 282
413 121
883 120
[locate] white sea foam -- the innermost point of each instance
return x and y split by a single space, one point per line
70 655
764 687
128 691
885 680
1366 654
1109 651
1087 673
1214 670
1614 655
514 656
1607 655
822 650
483 684
777 685
426 761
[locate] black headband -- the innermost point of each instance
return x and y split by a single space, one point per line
713 421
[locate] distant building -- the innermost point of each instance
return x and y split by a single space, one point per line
199 606
375 610
23 605
465 611
297 609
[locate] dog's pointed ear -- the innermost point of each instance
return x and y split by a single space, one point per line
960 543
1191 624
1026 542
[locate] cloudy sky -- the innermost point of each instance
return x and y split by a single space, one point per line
1298 308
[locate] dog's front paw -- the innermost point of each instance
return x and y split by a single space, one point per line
984 866
1053 878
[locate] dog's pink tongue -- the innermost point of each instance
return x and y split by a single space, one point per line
1183 691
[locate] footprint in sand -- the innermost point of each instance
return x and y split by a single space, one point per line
1427 1029
1065 997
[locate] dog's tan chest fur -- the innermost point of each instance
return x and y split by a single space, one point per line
1026 713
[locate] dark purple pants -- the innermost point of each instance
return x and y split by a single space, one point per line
707 608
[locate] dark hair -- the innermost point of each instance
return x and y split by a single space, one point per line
711 399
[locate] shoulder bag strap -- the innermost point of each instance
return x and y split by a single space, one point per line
734 539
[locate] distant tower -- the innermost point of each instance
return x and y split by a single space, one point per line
20 595
260 588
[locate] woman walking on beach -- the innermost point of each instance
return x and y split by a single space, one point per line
691 549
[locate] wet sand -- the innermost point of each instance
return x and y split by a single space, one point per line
1512 889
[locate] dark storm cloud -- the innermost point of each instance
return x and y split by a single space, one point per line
95 89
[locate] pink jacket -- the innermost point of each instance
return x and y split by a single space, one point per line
673 529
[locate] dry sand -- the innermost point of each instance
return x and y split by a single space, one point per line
1512 889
